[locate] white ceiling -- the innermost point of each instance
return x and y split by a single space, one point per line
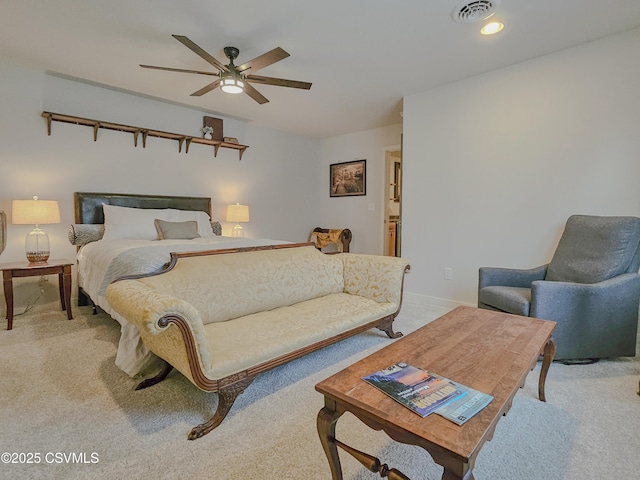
362 56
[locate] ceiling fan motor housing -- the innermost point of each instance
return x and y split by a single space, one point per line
231 53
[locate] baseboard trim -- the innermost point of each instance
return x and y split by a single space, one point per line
434 301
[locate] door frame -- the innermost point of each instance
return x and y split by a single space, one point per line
385 195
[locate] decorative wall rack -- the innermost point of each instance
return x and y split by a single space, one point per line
141 132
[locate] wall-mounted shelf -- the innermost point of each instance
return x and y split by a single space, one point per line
137 132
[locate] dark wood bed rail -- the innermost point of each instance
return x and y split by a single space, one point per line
175 256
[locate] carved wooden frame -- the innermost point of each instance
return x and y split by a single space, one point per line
230 387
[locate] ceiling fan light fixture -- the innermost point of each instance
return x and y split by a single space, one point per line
232 84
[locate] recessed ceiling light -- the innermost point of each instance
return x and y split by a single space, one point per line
491 28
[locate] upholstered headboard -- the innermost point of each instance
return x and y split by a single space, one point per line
88 205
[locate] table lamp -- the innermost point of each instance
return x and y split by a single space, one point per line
237 213
35 212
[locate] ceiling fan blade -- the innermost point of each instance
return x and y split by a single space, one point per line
280 82
255 94
169 69
206 89
263 60
199 51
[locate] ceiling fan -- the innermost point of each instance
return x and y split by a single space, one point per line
236 79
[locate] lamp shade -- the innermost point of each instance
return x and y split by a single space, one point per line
35 212
237 213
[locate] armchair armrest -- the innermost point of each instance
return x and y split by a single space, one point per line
377 277
618 296
596 320
510 277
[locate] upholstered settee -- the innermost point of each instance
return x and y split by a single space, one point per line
222 317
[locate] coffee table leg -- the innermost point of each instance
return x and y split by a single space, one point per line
454 468
327 418
549 353
452 476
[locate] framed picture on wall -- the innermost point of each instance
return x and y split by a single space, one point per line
348 179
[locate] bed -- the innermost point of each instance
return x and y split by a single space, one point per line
123 246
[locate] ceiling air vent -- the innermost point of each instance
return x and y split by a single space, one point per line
475 10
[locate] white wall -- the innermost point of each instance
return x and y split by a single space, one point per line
353 212
493 165
276 176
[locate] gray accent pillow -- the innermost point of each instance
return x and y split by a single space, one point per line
217 228
176 230
593 249
80 234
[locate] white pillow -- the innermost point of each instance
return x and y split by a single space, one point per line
134 223
202 218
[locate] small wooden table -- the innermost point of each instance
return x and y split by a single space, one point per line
25 269
490 351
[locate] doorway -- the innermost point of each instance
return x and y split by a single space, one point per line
393 201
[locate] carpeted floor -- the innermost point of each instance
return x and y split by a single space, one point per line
62 398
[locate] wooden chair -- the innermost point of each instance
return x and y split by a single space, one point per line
323 238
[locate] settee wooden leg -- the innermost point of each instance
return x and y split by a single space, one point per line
226 397
166 369
387 327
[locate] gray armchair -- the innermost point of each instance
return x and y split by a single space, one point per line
591 288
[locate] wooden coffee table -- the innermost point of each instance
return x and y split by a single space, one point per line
490 351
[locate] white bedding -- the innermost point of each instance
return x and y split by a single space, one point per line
101 262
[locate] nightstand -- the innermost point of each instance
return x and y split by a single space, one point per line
13 270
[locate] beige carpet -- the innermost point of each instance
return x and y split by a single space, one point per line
61 396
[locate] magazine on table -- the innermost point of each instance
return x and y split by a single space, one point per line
425 392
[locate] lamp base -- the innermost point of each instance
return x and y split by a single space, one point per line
37 257
37 246
237 231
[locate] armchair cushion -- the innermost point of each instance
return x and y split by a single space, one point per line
593 249
510 277
514 300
